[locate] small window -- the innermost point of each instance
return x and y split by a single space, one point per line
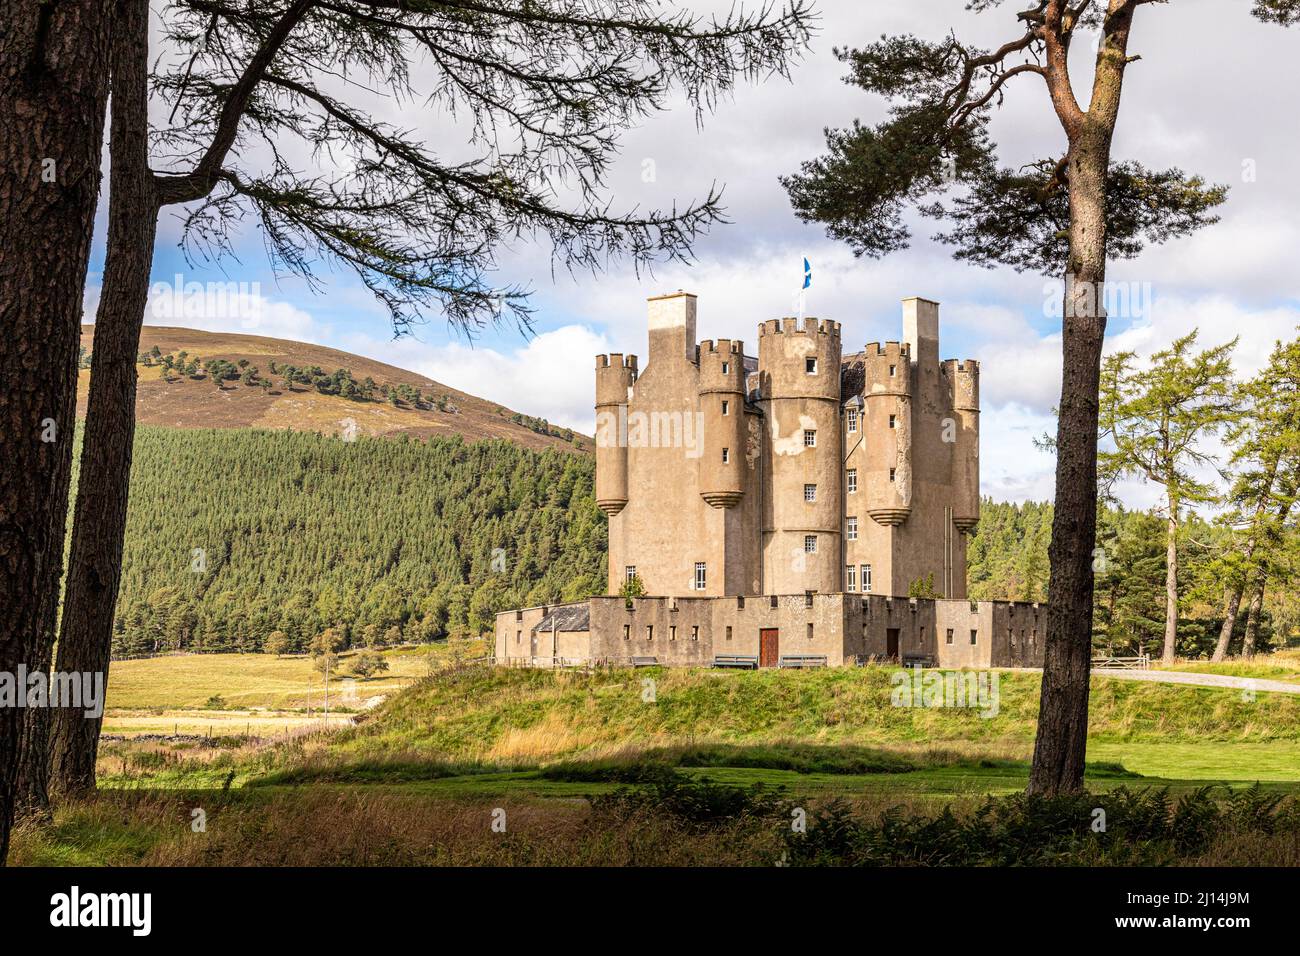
810 544
629 572
893 421
852 528
853 481
809 492
772 601
920 637
810 631
725 369
649 632
519 636
740 601
810 437
726 407
810 366
695 632
726 456
700 575
891 371
627 632
948 637
892 472
850 578
728 632
852 419
974 636
866 578
808 598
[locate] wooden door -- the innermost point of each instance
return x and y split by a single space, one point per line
768 643
891 642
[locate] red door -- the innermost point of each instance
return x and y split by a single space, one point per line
767 647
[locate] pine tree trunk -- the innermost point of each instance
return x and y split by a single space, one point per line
1061 741
1252 618
1231 605
53 89
95 564
1171 585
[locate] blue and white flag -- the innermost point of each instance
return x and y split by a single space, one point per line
807 273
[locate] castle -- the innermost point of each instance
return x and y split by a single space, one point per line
779 510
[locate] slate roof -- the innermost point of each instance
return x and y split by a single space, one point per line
570 617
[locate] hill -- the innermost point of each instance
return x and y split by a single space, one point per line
233 534
296 385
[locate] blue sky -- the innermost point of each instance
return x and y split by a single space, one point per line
1215 93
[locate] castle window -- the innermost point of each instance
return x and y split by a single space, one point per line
974 635
700 571
920 637
866 578
627 632
810 631
672 632
853 481
726 455
810 366
726 407
850 578
892 472
519 636
893 421
772 601
810 437
649 632
695 632
809 492
948 637
891 370
852 528
810 544
852 419
728 632
808 598
725 369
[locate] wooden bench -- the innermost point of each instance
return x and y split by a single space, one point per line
918 660
802 660
1141 662
645 662
736 660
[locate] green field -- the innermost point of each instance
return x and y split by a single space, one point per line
417 778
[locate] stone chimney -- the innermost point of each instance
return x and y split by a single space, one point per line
921 330
672 326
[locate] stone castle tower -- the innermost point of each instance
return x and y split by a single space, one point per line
804 470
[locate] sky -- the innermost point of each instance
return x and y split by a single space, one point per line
1215 93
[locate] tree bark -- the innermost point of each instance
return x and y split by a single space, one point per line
1252 618
1171 584
1061 742
53 89
1231 605
99 527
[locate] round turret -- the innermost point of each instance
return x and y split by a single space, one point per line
722 401
887 397
615 376
964 379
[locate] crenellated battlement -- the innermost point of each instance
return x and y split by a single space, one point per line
963 383
616 360
792 326
724 346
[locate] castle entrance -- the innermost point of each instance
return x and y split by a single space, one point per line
891 643
768 647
